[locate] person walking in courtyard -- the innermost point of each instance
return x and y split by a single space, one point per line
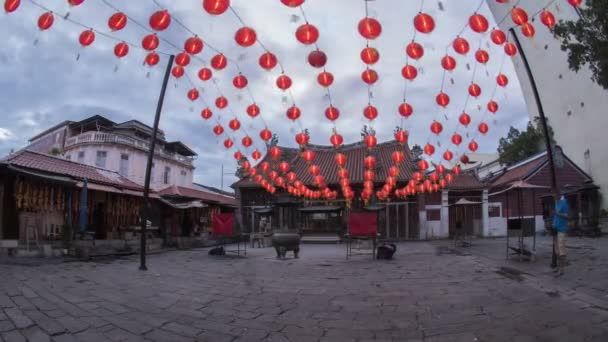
560 224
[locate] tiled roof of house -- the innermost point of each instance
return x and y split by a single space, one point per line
466 181
205 196
355 155
54 165
520 171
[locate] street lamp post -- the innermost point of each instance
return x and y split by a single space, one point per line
543 121
146 202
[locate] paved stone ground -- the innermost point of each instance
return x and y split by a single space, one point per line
428 293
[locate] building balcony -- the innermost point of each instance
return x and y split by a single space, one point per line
89 138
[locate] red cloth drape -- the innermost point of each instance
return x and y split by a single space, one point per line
223 224
363 224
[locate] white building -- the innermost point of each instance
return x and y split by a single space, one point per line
573 103
120 147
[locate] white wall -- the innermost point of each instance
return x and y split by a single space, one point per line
574 104
137 164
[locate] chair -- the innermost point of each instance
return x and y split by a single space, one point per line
223 230
361 227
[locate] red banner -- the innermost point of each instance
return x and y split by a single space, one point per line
223 224
363 224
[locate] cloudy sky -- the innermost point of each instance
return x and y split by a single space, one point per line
43 83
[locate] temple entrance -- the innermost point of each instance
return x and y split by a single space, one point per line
399 221
322 220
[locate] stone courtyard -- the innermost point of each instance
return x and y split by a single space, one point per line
429 292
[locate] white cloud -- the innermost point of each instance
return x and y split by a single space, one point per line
5 134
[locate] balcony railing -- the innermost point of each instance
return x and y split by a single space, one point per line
109 138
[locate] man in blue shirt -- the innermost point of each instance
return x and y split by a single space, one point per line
560 224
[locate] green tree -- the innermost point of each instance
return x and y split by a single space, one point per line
586 40
519 145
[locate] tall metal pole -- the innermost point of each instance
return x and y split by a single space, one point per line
146 205
543 121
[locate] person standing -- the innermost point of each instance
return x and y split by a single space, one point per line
560 224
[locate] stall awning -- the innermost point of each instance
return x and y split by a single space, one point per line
59 179
114 190
183 205
320 209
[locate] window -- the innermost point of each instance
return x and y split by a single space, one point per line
81 157
167 175
124 165
101 159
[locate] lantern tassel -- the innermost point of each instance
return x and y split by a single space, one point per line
66 16
78 57
116 68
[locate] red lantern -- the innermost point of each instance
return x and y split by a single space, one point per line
302 138
193 94
424 23
401 136
456 170
11 5
473 146
369 162
414 50
519 15
317 58
221 102
369 76
314 170
434 177
423 165
547 18
228 143
398 157
275 152
253 110
160 20
117 21
86 38
218 130
193 45
464 119
482 56
498 37
325 79
308 155
292 3
343 173
575 3
152 58
206 113
370 141
340 160
307 34
369 175
448 155
182 59
205 74
291 177
474 90
247 141
336 140
528 30
268 61
245 36
461 46
429 149
293 113
234 124
332 113
405 109
216 7
256 155
443 99
409 72
510 49
502 80
440 169
240 81
478 23
150 42
416 177
238 155
46 20
483 128
283 82
369 28
265 134
370 112
284 167
492 106
219 62
448 63
370 55
456 139
75 2
436 127
121 49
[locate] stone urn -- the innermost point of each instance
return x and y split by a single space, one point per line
284 241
